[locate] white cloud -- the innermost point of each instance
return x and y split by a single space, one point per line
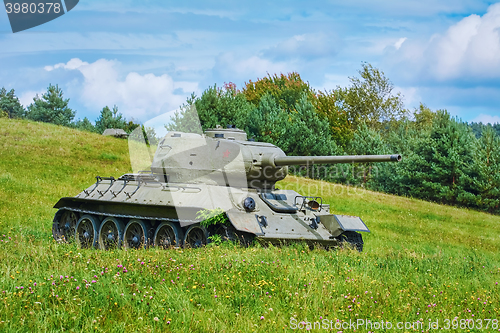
26 98
411 96
310 45
137 96
74 63
400 42
230 67
486 118
468 49
331 81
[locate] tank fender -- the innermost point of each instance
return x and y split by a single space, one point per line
247 222
337 224
68 202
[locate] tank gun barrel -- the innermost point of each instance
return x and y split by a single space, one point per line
302 160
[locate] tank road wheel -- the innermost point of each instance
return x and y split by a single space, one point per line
110 233
63 230
168 234
196 236
86 234
136 235
352 239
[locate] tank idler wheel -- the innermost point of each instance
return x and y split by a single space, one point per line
86 234
351 239
63 230
196 236
111 233
168 234
136 235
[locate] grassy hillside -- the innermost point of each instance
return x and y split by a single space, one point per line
422 261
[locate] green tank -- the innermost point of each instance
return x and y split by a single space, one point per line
192 174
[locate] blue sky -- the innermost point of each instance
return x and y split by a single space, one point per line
147 57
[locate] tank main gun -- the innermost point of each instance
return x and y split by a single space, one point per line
302 160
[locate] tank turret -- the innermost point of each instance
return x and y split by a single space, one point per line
195 158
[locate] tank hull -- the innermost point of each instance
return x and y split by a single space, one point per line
277 216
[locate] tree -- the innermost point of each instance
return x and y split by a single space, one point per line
216 106
370 99
110 119
438 163
51 108
424 117
84 125
288 90
10 104
130 126
488 166
340 126
479 128
302 132
285 89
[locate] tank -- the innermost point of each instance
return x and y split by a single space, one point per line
192 175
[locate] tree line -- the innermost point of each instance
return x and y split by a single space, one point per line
445 160
53 108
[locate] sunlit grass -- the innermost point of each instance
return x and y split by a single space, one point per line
421 260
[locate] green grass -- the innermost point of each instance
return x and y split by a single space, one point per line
421 261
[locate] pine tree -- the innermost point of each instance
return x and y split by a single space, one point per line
85 125
51 108
110 119
488 165
216 106
442 167
10 104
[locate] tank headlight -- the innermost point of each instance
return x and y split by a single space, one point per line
313 204
249 204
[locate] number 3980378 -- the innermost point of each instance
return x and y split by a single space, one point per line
32 8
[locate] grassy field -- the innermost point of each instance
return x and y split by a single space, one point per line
422 262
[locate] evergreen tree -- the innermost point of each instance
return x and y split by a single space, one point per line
84 125
51 108
216 106
488 166
130 126
10 104
302 132
109 119
479 128
438 164
268 123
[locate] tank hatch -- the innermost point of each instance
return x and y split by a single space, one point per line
229 133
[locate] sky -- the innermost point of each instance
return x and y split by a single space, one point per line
148 57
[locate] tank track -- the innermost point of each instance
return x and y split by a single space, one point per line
104 231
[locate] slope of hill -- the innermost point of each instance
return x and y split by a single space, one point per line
422 260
